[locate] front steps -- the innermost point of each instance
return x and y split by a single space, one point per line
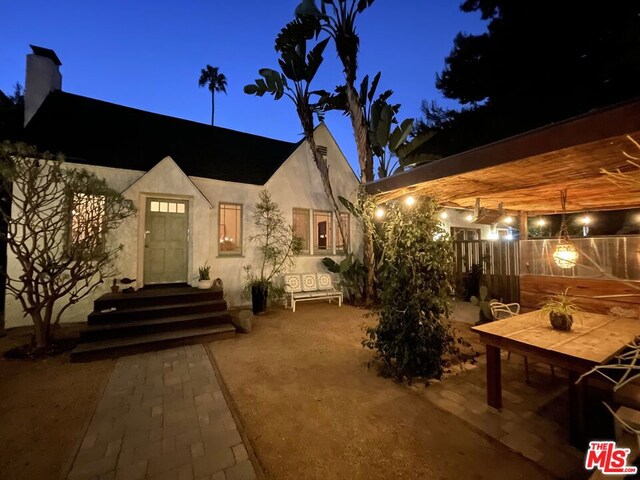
153 319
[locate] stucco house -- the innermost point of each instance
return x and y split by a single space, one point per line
194 186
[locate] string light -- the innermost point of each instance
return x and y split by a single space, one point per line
541 222
380 212
469 218
586 220
444 215
508 219
409 201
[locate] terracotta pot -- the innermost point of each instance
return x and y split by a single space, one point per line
560 321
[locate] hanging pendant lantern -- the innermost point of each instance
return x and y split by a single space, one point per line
565 255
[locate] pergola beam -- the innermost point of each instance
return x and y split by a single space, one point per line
527 172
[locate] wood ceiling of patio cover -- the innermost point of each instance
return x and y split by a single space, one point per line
528 171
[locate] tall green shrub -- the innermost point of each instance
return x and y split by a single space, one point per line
414 279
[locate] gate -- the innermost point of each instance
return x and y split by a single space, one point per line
500 263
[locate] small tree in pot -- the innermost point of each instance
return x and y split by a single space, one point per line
277 246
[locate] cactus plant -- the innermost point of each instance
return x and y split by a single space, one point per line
484 302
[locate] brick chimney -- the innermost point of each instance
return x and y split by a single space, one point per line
43 77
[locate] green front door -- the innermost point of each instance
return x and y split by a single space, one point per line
166 241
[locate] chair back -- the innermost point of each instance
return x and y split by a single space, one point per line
500 310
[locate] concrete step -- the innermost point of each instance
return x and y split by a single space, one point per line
133 314
156 341
104 331
148 297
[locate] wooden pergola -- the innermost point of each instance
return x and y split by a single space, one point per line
526 173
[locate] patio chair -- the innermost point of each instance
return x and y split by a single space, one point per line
500 311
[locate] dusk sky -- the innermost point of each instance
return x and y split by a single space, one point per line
148 55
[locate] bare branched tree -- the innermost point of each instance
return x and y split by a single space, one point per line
623 179
57 232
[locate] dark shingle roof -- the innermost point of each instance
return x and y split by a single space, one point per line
94 132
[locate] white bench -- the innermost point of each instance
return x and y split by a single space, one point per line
301 287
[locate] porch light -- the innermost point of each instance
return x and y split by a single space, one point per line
469 218
541 222
508 219
444 215
380 212
586 220
410 201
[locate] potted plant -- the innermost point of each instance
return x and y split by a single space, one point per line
277 247
561 308
204 279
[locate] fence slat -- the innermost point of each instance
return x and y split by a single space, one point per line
500 261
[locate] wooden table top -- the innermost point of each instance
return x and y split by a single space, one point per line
594 338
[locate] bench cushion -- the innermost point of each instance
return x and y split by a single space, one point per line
292 283
309 283
325 282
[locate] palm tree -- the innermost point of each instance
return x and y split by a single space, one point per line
300 68
338 20
216 81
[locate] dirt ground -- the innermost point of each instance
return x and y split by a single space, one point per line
44 408
312 409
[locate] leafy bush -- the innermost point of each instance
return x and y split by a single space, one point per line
353 276
415 290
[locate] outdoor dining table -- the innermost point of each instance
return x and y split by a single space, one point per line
593 340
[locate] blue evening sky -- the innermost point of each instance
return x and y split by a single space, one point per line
148 54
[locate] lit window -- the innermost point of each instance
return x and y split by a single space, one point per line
301 227
322 232
345 224
167 207
230 234
87 217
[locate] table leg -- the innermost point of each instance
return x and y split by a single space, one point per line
494 377
577 406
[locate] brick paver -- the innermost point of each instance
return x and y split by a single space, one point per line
524 424
163 416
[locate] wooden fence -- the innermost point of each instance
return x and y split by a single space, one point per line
499 260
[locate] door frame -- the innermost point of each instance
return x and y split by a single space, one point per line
142 220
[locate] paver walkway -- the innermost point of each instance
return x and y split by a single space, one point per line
533 420
163 416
